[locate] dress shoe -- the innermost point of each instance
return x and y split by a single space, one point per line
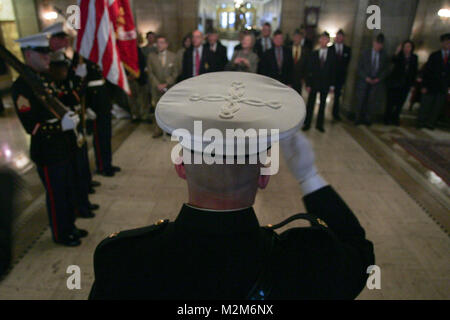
116 169
305 128
109 173
321 129
95 184
93 206
87 215
80 233
70 241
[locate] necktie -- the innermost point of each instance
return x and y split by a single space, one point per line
162 58
445 57
279 58
322 58
374 64
296 54
197 62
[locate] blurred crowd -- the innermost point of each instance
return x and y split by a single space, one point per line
298 62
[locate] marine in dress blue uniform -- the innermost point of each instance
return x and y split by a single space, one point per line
67 88
52 143
216 248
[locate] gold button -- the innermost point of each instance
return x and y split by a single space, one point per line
320 221
44 127
50 127
159 222
112 235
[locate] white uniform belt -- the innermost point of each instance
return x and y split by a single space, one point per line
52 120
96 83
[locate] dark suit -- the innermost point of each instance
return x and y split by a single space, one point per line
436 79
399 83
269 65
370 95
218 255
342 62
319 77
299 71
207 62
259 47
220 56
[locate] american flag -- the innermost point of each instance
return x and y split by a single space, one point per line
96 40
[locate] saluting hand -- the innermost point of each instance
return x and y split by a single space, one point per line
300 158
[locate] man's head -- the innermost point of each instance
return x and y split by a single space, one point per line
227 152
35 49
227 186
378 43
324 39
213 37
339 36
161 43
445 41
278 39
266 30
297 38
38 60
197 38
151 38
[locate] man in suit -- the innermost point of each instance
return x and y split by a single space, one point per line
372 71
218 50
216 249
162 70
320 78
435 84
343 55
151 44
277 62
299 55
264 43
197 59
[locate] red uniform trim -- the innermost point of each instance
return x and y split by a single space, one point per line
52 203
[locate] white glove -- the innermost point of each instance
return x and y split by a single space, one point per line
300 159
90 114
81 70
69 121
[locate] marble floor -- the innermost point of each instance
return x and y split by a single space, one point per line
411 249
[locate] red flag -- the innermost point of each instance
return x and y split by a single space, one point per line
122 18
96 40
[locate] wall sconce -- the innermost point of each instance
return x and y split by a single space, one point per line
50 15
444 13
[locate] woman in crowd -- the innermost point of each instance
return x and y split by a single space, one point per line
244 59
185 44
400 81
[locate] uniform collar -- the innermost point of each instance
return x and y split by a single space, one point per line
216 222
